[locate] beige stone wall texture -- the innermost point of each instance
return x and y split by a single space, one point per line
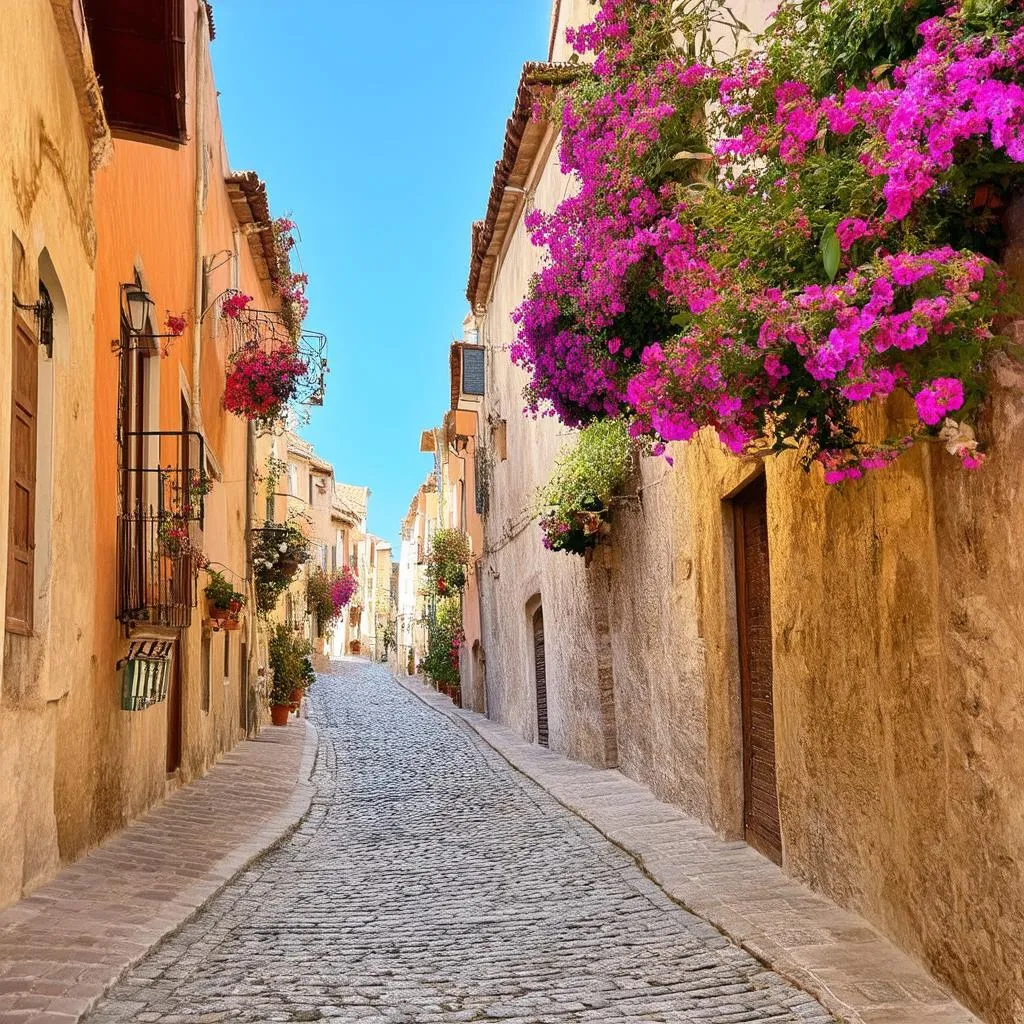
49 137
897 647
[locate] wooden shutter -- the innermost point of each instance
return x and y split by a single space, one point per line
540 667
754 618
21 539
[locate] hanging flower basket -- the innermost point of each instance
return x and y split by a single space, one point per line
260 384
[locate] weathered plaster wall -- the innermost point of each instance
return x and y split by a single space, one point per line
49 137
898 651
516 568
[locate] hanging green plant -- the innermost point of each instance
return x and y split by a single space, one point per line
574 505
450 555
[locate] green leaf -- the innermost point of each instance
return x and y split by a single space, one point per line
830 252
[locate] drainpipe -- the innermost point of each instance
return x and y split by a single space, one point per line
201 36
253 645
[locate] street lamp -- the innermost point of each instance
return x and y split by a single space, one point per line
140 307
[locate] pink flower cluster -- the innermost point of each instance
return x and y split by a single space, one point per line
260 384
955 91
234 305
289 286
175 325
652 302
343 588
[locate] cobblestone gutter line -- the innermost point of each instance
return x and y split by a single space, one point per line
66 944
833 954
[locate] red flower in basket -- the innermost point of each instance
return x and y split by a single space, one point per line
260 384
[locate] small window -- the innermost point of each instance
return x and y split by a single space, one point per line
311 478
293 479
204 702
227 657
472 370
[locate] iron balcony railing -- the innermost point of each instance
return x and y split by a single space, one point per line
162 486
267 331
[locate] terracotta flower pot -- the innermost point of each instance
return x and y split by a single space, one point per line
296 696
279 713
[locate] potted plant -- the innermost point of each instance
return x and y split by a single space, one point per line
574 505
355 646
445 639
292 672
224 602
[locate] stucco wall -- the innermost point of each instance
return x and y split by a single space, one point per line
47 229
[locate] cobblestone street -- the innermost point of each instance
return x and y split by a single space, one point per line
432 883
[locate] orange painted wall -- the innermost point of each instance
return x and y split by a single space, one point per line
110 763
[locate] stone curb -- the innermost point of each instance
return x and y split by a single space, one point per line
831 953
38 1000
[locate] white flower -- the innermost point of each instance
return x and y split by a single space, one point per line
959 437
282 547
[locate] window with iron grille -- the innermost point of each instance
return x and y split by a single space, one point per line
161 482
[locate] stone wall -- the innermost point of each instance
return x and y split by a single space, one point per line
897 652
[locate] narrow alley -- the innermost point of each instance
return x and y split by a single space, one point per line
431 882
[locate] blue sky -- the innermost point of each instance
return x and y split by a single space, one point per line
376 127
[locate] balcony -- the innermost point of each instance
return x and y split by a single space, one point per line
267 331
162 482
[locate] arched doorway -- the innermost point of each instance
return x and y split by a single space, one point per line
540 675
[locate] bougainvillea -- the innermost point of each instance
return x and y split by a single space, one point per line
234 305
319 601
760 244
175 325
343 587
289 286
260 384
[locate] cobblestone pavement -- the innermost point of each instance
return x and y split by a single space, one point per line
432 883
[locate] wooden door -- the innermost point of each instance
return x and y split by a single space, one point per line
21 533
541 676
243 688
174 710
754 620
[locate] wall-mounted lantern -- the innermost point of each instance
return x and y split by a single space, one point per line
139 307
43 312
